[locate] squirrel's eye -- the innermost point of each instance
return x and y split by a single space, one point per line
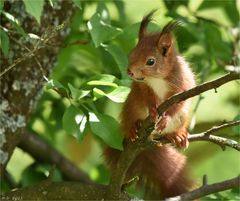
150 62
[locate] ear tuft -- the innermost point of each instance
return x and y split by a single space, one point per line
165 39
171 26
143 26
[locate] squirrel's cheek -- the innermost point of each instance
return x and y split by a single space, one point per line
148 71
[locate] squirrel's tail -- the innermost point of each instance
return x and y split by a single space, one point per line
162 171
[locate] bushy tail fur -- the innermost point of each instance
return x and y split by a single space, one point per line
162 171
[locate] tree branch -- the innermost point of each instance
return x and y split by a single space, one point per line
222 126
221 141
57 191
197 90
205 136
208 189
43 152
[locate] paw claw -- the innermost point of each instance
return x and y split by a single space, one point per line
135 130
180 139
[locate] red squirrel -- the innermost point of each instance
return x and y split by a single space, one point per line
158 72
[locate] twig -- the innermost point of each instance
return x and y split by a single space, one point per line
43 152
33 55
207 189
46 37
222 126
205 136
221 141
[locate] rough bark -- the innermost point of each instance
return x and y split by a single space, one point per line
22 85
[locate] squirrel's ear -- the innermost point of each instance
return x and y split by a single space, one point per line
165 42
166 39
143 26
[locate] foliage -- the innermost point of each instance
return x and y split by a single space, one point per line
89 82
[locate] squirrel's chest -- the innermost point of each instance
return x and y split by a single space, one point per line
160 88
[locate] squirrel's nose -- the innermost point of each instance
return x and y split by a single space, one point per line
130 73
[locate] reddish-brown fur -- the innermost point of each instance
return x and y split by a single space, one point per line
162 170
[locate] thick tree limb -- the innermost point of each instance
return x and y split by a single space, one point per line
43 152
72 190
208 189
58 191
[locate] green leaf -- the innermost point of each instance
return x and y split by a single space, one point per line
54 84
77 94
34 8
78 3
100 31
103 11
84 125
14 22
101 83
58 87
189 37
173 5
215 43
31 176
121 9
75 122
102 80
108 130
220 11
71 119
47 168
4 42
98 93
119 56
1 5
118 95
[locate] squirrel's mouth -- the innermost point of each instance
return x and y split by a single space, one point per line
139 79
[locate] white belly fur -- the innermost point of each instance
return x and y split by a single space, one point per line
176 120
161 88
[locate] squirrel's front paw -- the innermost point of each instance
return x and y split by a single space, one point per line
135 129
179 138
162 122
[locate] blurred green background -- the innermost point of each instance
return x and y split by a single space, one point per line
102 34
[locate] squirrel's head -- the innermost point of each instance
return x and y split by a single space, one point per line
154 52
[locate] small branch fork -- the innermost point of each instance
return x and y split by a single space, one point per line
205 136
